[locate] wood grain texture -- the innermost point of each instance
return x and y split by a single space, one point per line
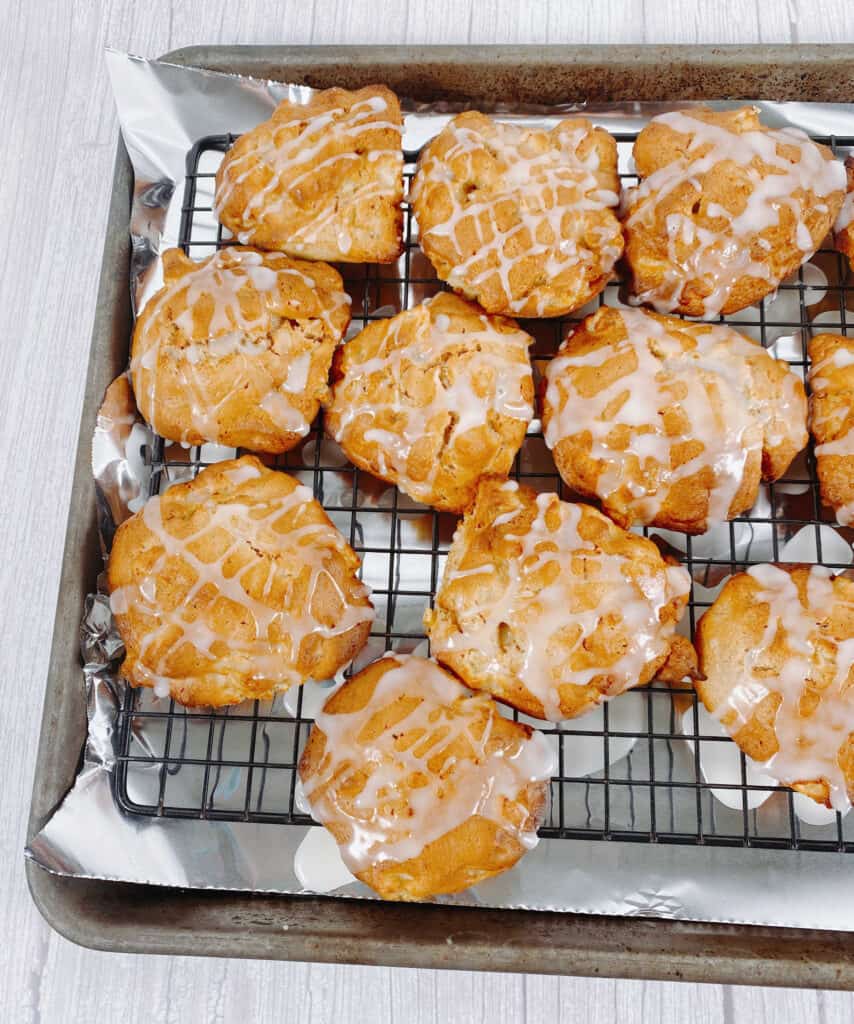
58 128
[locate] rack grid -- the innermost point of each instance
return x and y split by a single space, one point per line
650 766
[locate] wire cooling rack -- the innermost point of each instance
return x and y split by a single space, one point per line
649 767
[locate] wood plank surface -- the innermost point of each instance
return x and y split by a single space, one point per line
58 129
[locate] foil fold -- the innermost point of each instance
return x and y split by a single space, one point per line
164 110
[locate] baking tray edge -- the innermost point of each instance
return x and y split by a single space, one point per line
132 918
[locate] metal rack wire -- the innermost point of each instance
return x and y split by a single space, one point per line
644 768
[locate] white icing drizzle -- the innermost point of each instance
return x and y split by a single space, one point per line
384 382
243 472
231 304
709 383
297 378
288 151
808 742
846 214
843 445
548 184
719 257
539 615
279 630
418 791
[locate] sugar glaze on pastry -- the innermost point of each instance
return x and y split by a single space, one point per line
320 180
425 786
520 219
551 607
236 349
725 209
235 585
433 399
777 648
669 422
832 420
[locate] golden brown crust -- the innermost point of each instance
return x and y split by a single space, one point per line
433 399
832 420
234 586
520 219
844 236
734 633
467 853
686 378
322 180
541 604
686 249
236 349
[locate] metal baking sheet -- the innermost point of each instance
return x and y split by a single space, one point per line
648 904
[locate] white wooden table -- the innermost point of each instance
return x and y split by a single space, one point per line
57 139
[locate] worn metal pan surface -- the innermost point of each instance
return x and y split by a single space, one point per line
130 918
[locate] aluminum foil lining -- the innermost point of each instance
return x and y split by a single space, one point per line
164 110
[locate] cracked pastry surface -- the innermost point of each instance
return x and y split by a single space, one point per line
667 422
831 380
520 219
777 650
552 608
236 349
235 586
433 399
322 180
426 788
725 209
